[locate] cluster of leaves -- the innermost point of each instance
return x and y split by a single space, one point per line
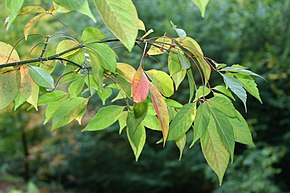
142 102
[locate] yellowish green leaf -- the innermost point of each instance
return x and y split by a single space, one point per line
91 34
28 88
180 143
162 81
121 18
126 71
182 122
9 85
5 54
65 45
201 5
215 153
82 6
137 138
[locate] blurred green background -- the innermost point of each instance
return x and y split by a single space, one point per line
249 32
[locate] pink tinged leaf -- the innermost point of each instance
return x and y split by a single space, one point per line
140 86
161 110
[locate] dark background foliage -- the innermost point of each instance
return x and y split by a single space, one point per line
252 33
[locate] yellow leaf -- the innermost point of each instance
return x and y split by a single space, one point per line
28 27
5 54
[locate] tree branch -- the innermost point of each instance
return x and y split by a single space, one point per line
52 57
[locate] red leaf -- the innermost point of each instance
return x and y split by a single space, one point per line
140 86
161 110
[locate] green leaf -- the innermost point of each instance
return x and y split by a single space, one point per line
182 121
137 138
191 84
104 94
151 109
28 27
65 45
48 65
14 7
224 90
124 86
76 87
140 110
31 188
162 81
9 84
104 118
174 65
81 6
184 61
69 74
152 122
215 153
97 71
180 143
225 130
178 78
28 88
172 113
218 65
250 85
60 9
121 95
136 116
202 91
78 57
105 56
201 122
173 103
91 34
51 97
201 5
240 71
41 77
121 18
123 121
68 111
180 32
92 84
237 87
19 100
223 104
52 107
241 130
80 116
212 109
